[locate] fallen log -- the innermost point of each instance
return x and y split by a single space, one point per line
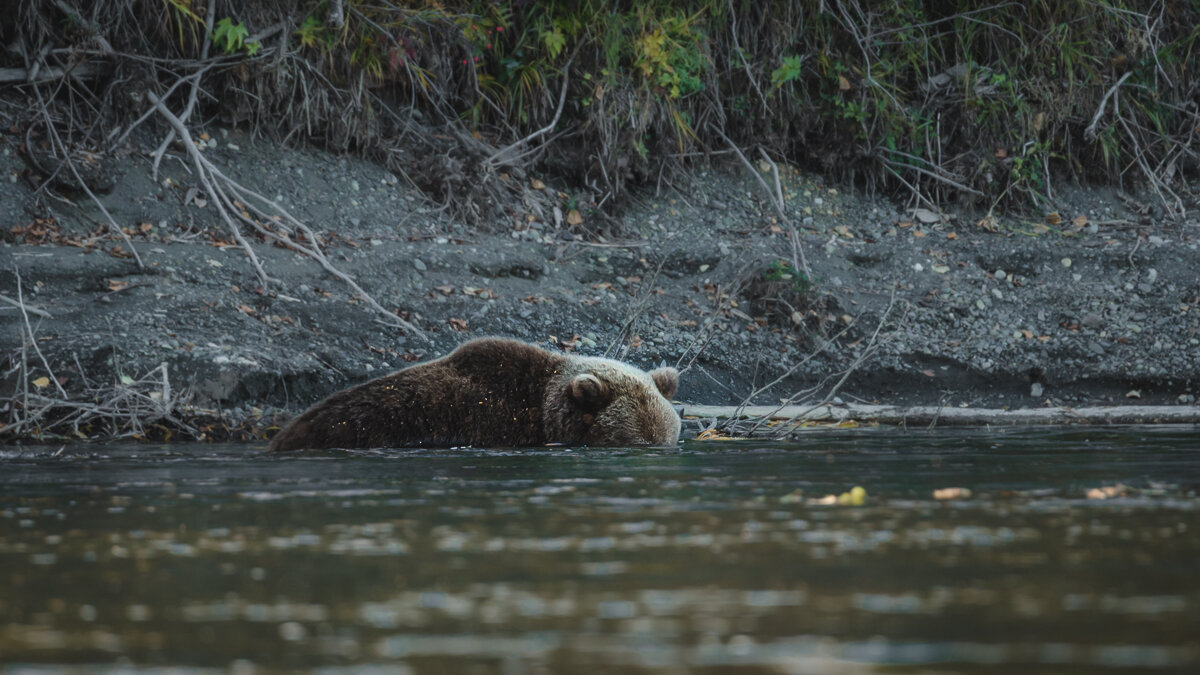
934 415
83 70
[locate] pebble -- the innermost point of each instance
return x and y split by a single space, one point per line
1035 390
419 265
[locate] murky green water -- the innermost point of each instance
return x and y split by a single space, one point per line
704 559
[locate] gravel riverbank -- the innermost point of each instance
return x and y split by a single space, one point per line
1093 301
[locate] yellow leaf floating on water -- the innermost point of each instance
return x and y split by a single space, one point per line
951 493
1106 492
41 382
855 497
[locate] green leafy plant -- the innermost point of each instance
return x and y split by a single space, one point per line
788 71
313 33
230 37
782 270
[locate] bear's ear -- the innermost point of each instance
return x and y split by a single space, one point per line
589 392
667 381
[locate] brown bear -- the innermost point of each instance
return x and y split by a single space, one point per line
496 392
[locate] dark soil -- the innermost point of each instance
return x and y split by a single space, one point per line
1097 306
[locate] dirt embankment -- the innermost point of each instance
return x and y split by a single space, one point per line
1098 304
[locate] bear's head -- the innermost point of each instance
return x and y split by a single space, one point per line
602 402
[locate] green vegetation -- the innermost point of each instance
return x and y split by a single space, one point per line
994 100
231 38
781 270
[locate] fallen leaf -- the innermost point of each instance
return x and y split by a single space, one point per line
988 224
940 269
794 497
1106 492
951 493
41 382
573 218
927 373
1133 393
446 289
855 497
1053 218
843 83
459 325
246 309
1001 153
1027 333
951 235
1079 222
537 184
918 234
114 285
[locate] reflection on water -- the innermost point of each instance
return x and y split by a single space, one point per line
718 558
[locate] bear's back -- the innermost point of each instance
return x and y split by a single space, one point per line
487 392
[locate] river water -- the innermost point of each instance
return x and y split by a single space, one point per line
716 557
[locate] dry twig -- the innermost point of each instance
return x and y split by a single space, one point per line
225 192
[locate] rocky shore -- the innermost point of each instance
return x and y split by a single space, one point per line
1092 300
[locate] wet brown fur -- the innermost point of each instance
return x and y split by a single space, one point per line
495 392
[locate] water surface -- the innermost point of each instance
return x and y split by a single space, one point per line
714 557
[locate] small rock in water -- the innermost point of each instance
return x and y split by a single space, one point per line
1035 390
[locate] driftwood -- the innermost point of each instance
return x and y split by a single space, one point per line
10 75
934 415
